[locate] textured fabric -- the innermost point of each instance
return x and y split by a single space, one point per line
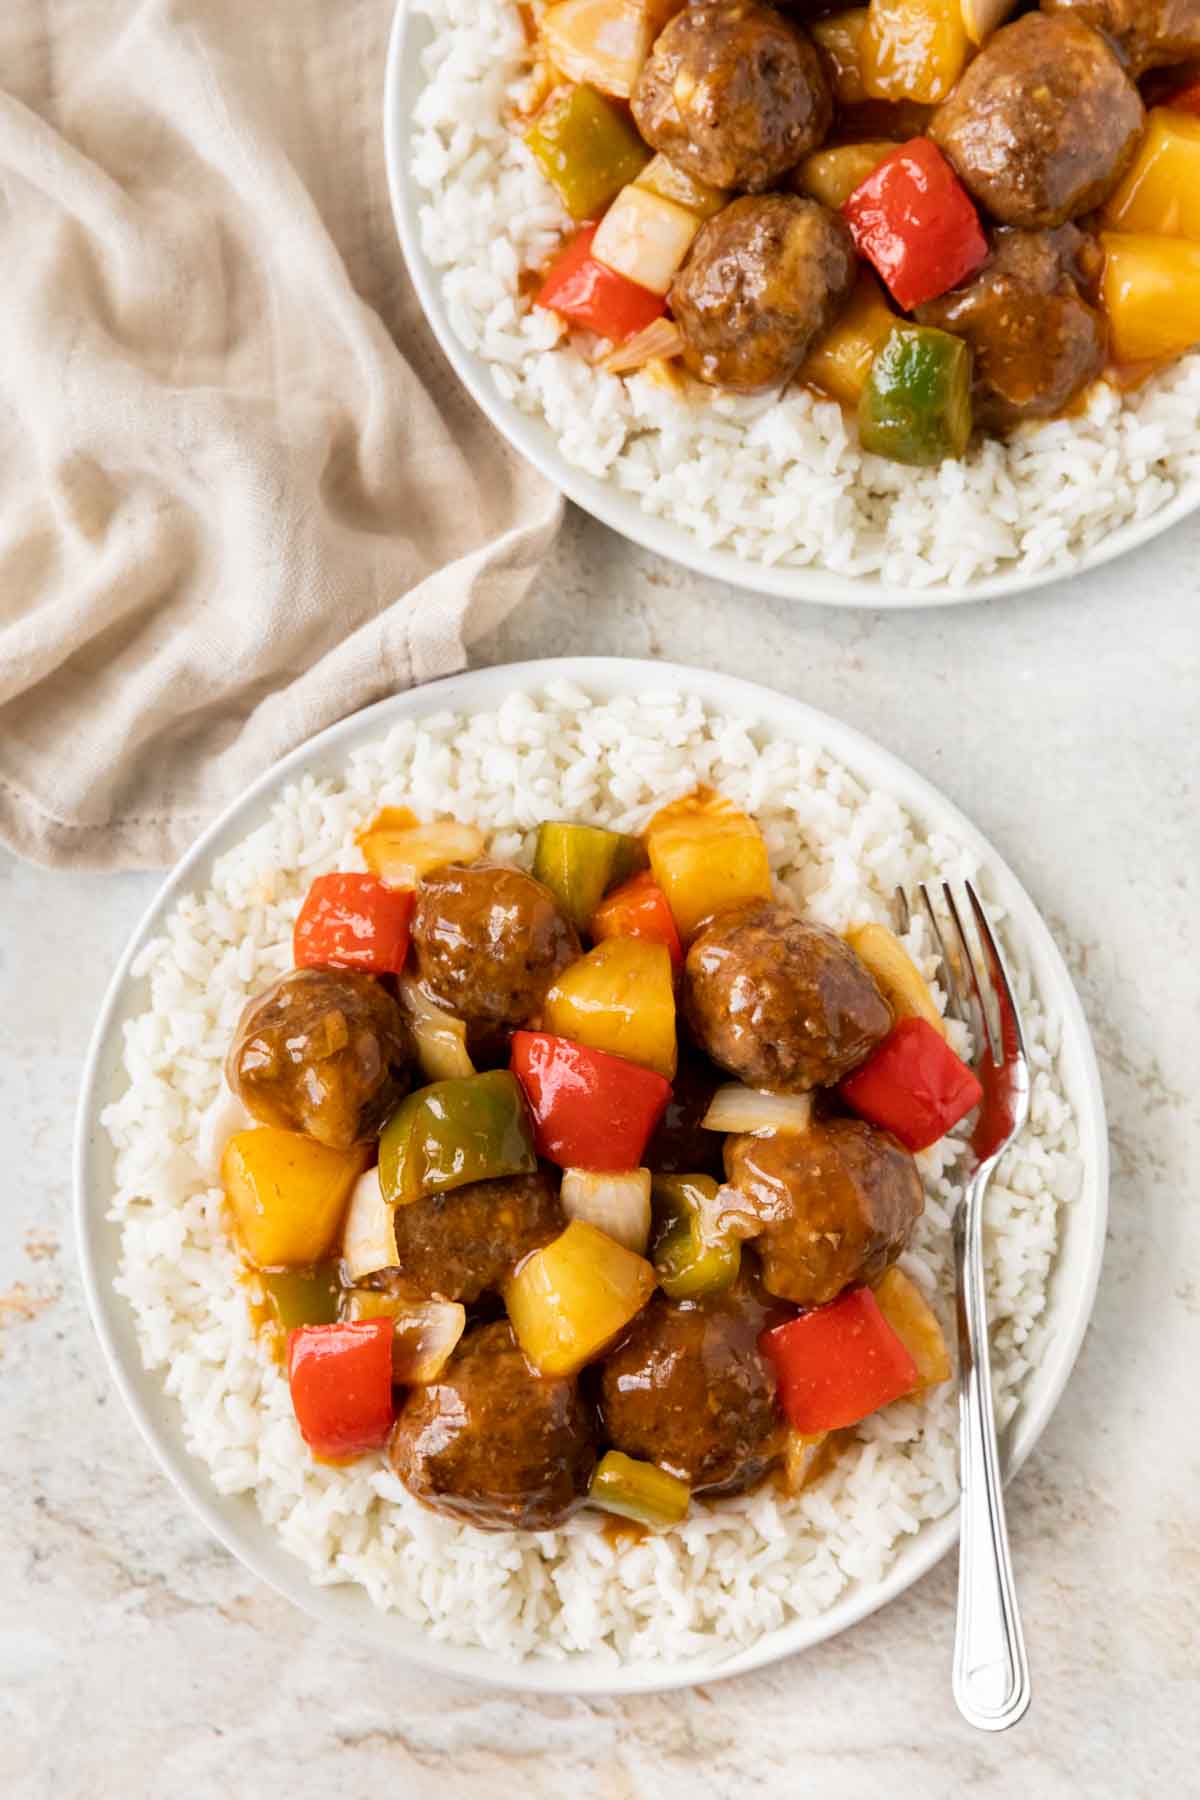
240 492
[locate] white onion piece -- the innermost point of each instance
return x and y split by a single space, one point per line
369 1231
224 1118
401 857
743 1109
660 339
426 1334
616 1202
801 1458
440 1038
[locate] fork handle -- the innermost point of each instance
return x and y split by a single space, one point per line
991 1673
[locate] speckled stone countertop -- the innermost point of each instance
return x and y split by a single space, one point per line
137 1659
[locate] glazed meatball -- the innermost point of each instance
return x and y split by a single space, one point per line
325 1051
764 278
488 941
1043 123
690 1390
1147 33
461 1244
733 93
493 1444
835 1204
1037 342
779 1002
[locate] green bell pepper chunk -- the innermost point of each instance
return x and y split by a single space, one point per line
916 405
639 1491
473 1128
586 149
687 1267
303 1296
579 863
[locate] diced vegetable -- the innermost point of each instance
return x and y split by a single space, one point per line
745 1109
288 1194
914 221
896 974
584 292
369 1231
353 922
687 1265
838 1363
401 850
439 1037
1151 292
586 149
579 863
840 37
645 238
590 1111
916 406
638 909
302 1296
620 998
841 362
705 854
424 1332
661 340
915 1323
663 177
832 175
637 1490
913 1085
913 49
568 1301
601 41
454 1132
805 1454
341 1382
982 17
1161 192
615 1201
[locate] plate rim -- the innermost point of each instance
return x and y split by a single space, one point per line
142 1389
533 440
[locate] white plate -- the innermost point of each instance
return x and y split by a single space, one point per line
533 438
234 1520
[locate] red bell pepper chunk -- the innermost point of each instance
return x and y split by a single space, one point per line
638 909
353 922
913 1085
582 290
913 219
341 1382
838 1363
590 1110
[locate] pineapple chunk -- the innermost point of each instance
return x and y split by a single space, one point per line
645 238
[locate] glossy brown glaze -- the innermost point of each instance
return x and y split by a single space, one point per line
465 1243
680 1145
779 1002
488 941
1148 34
324 1051
835 1204
734 93
491 1443
1043 123
690 1390
764 278
1037 341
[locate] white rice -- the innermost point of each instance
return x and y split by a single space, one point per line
734 1570
778 481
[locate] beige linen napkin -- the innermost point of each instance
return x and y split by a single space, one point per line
240 492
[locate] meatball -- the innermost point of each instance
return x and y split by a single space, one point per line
493 1444
461 1244
779 1002
1036 340
489 940
1147 33
690 1390
1043 123
680 1145
764 278
734 93
836 1204
326 1051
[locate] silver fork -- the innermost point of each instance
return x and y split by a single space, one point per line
991 1672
